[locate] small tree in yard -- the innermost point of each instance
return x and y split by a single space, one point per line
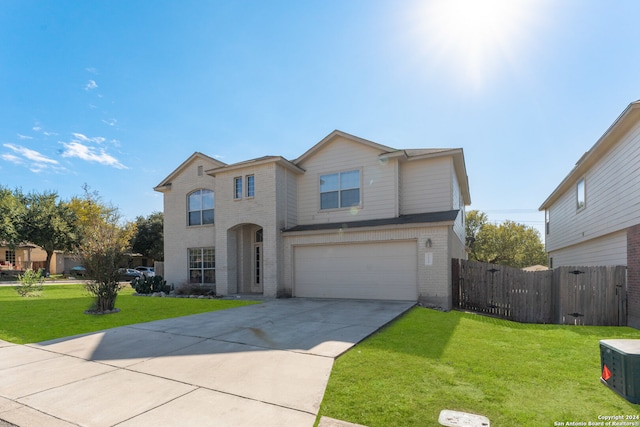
30 283
104 242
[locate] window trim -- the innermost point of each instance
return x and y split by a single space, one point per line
581 194
201 210
340 190
251 194
237 192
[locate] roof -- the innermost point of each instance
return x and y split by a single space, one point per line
629 117
385 152
166 183
338 133
429 217
536 267
256 162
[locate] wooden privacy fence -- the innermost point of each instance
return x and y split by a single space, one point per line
564 295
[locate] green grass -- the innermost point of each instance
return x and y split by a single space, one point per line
59 312
515 374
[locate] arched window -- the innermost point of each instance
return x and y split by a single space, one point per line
200 207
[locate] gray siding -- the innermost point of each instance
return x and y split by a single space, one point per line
612 198
606 250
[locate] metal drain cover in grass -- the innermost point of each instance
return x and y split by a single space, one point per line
462 419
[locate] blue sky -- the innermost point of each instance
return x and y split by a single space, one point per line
116 94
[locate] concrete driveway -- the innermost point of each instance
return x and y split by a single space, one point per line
265 364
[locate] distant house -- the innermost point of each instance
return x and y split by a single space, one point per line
26 255
349 218
593 216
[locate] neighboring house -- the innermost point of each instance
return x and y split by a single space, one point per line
24 256
349 218
593 216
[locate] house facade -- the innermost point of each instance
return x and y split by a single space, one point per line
593 216
349 218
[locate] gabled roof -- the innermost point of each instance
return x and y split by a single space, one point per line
166 183
629 117
256 162
336 134
407 154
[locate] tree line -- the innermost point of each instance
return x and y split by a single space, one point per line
45 220
508 243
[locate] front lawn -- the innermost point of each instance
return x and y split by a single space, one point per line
515 374
59 312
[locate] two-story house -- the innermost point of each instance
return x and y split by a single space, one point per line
593 216
349 218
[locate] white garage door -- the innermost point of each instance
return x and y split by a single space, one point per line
362 271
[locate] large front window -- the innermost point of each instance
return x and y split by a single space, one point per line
202 265
201 207
340 190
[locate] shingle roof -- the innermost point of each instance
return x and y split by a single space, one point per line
429 217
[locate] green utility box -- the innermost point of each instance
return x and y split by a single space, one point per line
620 367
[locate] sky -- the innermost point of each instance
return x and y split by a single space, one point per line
116 94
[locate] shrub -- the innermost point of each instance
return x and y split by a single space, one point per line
30 283
195 289
149 285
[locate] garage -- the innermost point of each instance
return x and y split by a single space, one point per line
377 270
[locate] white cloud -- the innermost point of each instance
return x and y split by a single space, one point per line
110 122
91 84
20 136
91 70
31 154
35 161
83 138
36 128
90 154
11 158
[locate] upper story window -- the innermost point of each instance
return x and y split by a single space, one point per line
340 190
581 193
250 186
237 187
547 221
200 207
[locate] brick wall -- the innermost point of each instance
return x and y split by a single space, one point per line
633 276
